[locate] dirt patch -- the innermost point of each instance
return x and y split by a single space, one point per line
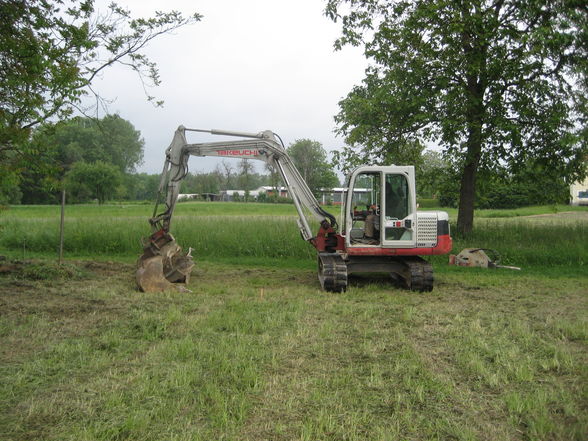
42 303
107 268
52 290
8 268
72 270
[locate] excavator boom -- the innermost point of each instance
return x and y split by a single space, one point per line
162 261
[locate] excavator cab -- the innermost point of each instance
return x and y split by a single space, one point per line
383 233
381 207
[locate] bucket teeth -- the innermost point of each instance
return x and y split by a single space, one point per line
162 264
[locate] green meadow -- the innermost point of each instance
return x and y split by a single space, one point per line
257 352
265 232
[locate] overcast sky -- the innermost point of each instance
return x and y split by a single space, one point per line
247 66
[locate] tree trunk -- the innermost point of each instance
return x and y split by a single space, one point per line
467 197
467 193
475 47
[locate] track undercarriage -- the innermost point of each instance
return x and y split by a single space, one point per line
413 272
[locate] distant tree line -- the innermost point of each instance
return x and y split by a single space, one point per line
533 184
96 160
438 177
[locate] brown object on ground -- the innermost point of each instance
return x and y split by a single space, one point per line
150 277
162 265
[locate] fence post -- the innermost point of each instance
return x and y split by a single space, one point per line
61 226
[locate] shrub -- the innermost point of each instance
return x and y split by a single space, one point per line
495 190
262 197
50 271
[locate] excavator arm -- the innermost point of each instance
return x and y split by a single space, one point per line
163 261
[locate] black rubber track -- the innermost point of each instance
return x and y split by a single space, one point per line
421 275
332 272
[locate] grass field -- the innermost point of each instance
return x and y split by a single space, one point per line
257 352
266 232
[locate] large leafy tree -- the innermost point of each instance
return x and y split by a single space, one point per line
494 82
50 53
111 139
310 158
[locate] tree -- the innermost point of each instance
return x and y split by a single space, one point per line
98 180
430 173
111 139
310 158
274 177
140 186
202 183
389 153
9 191
246 169
122 142
494 82
500 188
226 171
51 52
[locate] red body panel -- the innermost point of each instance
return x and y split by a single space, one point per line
444 245
320 241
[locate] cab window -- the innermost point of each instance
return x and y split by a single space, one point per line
398 207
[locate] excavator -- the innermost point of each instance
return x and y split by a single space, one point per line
381 231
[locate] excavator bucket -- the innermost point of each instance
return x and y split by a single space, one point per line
162 264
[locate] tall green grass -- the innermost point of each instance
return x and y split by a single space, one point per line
144 211
212 236
519 241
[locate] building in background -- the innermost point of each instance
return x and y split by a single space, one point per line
579 193
228 195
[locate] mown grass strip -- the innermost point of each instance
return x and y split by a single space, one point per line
144 210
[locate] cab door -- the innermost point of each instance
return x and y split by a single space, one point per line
399 207
363 225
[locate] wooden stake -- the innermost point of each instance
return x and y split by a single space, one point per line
61 226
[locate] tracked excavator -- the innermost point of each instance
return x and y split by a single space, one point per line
381 230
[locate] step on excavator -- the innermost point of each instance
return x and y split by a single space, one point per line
381 231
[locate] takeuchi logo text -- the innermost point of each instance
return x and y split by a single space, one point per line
242 152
